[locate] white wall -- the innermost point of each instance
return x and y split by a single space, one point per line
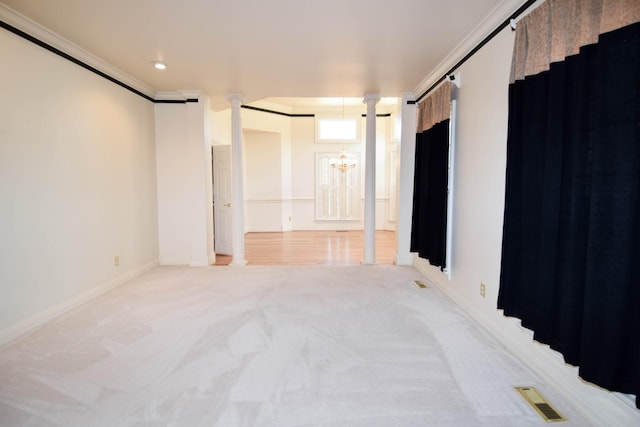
303 169
173 183
477 227
267 212
221 127
183 153
263 181
77 185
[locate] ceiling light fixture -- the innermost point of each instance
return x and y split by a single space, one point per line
159 65
343 163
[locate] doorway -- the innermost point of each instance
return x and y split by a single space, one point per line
222 216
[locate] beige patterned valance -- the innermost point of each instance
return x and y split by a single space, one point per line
435 108
558 28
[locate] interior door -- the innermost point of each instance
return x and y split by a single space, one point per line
222 199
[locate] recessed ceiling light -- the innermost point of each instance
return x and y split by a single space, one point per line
159 65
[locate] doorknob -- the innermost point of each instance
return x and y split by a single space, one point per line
228 205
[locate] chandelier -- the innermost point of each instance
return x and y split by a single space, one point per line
342 163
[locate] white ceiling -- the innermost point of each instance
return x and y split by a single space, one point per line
267 48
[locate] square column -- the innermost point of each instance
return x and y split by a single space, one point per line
237 185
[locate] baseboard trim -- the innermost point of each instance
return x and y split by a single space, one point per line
31 324
405 259
602 407
274 229
173 261
200 262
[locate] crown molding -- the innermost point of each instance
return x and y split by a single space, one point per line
170 96
270 105
192 94
501 12
47 36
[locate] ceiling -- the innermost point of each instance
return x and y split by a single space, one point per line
262 49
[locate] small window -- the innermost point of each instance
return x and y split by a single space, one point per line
338 129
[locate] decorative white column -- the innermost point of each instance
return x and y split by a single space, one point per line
237 185
370 182
408 117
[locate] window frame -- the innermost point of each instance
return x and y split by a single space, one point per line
357 119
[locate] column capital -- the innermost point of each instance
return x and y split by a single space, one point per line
235 98
371 97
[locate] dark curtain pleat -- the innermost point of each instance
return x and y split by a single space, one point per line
571 239
611 332
429 221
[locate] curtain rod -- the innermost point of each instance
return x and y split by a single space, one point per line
479 46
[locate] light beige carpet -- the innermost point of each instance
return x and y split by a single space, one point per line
267 346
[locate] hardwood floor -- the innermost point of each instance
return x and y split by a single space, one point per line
313 248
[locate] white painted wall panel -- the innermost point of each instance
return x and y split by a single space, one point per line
77 183
263 181
183 151
173 183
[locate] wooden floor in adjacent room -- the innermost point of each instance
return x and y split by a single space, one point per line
313 248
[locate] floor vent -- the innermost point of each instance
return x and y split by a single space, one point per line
420 284
540 404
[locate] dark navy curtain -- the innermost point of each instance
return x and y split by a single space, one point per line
571 240
429 221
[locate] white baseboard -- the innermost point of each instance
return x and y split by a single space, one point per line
23 328
602 407
270 229
173 261
201 262
405 259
